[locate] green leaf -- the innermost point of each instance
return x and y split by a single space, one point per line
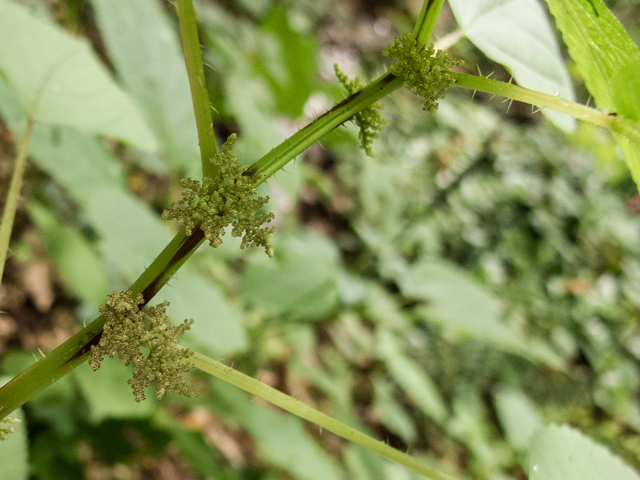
289 61
414 381
131 234
562 453
518 417
75 259
391 412
631 151
147 55
300 281
14 451
59 80
78 161
597 43
517 34
625 87
218 328
465 308
283 441
108 394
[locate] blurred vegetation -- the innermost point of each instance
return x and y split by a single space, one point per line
478 278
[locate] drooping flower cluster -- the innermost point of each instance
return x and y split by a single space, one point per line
216 203
5 430
426 73
127 330
368 120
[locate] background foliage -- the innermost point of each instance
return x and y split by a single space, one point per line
477 279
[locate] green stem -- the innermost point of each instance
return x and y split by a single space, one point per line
427 20
9 213
297 143
533 97
197 83
302 410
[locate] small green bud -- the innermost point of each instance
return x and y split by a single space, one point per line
127 329
217 203
369 119
426 73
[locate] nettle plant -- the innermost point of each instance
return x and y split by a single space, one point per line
226 196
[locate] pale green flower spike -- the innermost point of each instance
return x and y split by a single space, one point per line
127 329
217 203
369 119
5 431
426 73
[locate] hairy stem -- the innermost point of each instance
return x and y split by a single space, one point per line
199 94
10 206
297 143
427 20
533 97
302 410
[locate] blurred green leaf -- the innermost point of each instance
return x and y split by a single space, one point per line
418 386
53 458
78 161
563 453
299 282
147 54
518 416
195 450
393 416
59 79
283 440
517 34
218 327
470 426
79 265
464 307
109 395
250 103
14 451
131 234
289 60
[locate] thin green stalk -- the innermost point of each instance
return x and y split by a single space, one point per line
199 94
9 213
427 20
302 410
539 99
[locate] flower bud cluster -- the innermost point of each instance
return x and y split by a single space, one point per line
5 430
368 120
426 73
128 329
216 203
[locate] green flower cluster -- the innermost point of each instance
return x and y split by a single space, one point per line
426 73
127 329
369 119
5 431
223 201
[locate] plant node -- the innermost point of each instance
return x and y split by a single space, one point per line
4 430
426 73
127 329
217 203
369 119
